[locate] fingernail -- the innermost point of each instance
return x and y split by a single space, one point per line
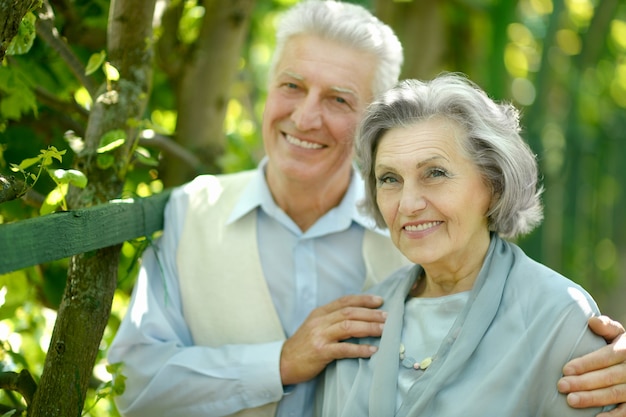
569 370
573 399
377 299
384 314
563 386
373 349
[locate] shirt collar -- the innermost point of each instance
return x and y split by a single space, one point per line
257 194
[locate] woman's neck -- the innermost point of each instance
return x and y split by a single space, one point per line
446 278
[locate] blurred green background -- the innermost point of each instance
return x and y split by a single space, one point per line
562 62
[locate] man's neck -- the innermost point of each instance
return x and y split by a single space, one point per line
306 202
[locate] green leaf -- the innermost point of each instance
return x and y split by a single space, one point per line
111 140
23 40
27 163
95 61
118 381
52 152
68 176
53 200
105 161
17 103
146 159
111 73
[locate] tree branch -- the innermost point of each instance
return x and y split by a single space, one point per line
166 144
46 97
48 32
22 383
11 188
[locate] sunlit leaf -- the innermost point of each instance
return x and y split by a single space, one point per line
68 176
111 72
53 200
26 163
111 140
146 159
95 61
23 41
50 153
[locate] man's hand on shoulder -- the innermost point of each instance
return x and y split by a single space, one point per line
599 378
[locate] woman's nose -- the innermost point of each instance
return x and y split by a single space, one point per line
412 201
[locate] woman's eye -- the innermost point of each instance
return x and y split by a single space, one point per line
437 172
386 179
292 85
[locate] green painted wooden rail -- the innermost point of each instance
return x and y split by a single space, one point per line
62 234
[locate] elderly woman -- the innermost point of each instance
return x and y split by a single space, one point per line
475 327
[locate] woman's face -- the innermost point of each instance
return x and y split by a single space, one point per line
432 197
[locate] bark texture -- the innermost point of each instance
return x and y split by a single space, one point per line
92 277
202 74
11 14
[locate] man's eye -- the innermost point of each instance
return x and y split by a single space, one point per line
292 85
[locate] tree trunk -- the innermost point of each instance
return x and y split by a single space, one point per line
11 14
92 277
420 27
203 88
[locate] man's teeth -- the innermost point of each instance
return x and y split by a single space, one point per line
302 144
420 227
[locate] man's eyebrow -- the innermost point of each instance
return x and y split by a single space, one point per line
294 75
342 90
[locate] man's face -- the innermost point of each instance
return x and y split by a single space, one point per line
316 97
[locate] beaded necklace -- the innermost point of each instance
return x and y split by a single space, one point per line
410 363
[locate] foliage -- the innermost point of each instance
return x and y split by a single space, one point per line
62 177
562 62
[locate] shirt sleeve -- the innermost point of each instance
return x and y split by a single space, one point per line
571 338
166 374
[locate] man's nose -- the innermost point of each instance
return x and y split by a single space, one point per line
308 113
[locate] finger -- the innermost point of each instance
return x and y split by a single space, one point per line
348 329
606 327
357 300
597 398
602 358
346 350
595 380
619 411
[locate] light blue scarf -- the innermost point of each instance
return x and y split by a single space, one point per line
503 355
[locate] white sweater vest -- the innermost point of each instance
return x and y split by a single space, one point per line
224 294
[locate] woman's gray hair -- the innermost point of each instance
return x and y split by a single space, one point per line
492 141
348 24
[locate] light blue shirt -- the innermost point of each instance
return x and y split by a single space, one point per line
303 271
